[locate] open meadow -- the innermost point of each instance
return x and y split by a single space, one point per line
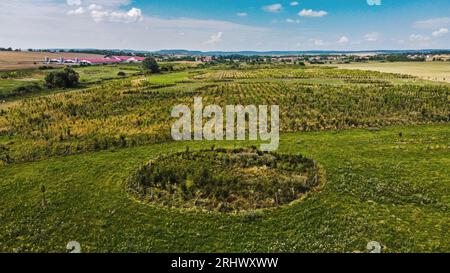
372 150
30 82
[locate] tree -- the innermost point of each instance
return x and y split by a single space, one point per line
151 65
62 79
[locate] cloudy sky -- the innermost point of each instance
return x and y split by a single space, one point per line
225 24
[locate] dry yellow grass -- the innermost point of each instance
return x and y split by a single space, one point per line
433 71
23 60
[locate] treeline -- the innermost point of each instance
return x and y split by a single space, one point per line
106 52
9 49
404 58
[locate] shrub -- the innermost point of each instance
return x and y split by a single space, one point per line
121 74
150 65
26 89
62 79
232 180
22 90
44 67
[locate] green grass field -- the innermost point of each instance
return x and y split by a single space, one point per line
90 74
381 140
9 84
378 187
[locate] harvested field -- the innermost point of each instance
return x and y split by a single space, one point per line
25 60
433 71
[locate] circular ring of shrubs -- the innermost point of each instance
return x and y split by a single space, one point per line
224 180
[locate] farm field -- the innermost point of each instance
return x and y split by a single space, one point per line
28 60
433 71
380 140
378 187
32 80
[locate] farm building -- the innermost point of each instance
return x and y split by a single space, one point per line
128 59
94 61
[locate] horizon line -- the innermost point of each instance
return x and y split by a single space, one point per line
237 51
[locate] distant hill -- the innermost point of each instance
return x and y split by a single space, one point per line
287 53
246 53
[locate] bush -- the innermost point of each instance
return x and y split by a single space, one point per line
150 65
22 90
167 68
62 79
27 89
44 67
232 180
121 74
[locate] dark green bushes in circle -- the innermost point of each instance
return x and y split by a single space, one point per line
224 180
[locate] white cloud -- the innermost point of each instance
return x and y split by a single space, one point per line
215 39
312 13
343 40
152 33
317 42
242 14
113 13
374 2
418 38
77 11
94 7
99 16
294 4
132 16
440 32
292 21
372 37
108 3
273 8
74 2
433 23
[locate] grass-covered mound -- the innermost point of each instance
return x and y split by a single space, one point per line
224 180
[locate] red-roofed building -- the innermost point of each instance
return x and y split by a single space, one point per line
95 61
129 59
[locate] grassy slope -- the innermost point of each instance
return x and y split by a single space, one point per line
378 188
88 75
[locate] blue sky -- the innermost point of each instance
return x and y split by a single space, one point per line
226 24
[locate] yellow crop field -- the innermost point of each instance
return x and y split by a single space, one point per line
434 71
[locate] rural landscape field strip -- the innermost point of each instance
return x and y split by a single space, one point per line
381 140
225 180
123 113
433 71
371 193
